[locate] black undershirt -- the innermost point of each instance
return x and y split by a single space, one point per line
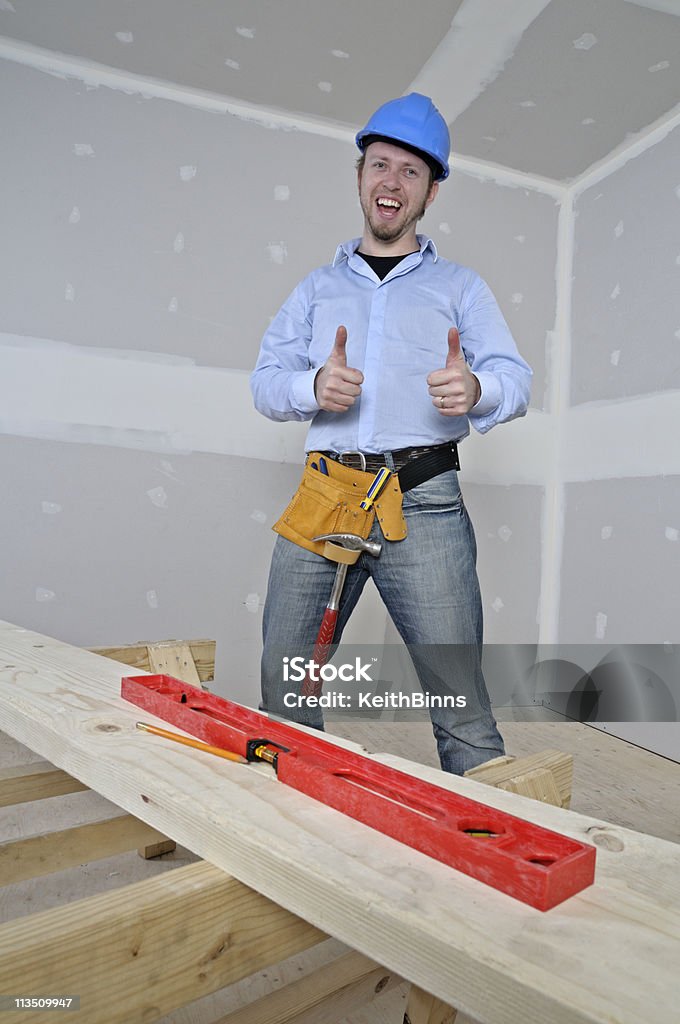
381 265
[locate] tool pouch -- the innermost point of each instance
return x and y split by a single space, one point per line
332 504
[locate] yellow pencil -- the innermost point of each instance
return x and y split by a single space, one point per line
188 742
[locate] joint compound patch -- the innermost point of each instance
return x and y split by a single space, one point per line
252 603
158 497
585 42
42 594
278 252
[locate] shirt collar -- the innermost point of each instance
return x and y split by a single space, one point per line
347 249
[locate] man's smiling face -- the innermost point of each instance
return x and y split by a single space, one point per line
395 189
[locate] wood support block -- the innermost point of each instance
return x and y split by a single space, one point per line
137 656
422 1008
327 995
56 851
36 781
174 660
157 849
139 952
527 776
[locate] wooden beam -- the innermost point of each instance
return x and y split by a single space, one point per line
137 655
139 952
36 781
174 660
325 996
492 957
517 775
423 1008
55 851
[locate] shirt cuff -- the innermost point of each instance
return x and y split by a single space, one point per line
302 396
491 395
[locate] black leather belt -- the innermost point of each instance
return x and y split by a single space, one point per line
413 466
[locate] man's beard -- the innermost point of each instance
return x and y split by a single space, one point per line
393 232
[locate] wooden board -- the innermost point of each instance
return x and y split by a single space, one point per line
607 955
138 655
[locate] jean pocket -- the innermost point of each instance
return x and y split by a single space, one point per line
440 494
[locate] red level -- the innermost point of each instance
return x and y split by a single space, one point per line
530 863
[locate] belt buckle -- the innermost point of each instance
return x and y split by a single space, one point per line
353 451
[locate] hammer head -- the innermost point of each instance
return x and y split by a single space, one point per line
352 542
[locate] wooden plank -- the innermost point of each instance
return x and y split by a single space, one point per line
174 660
504 770
423 1008
324 997
159 849
538 784
497 960
55 851
137 953
137 655
36 781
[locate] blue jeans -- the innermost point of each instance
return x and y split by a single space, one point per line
429 585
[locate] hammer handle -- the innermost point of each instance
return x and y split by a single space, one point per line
324 640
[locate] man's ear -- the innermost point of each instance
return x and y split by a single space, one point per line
433 193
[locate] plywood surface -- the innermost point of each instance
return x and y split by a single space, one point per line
605 955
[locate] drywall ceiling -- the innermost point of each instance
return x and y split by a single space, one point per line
549 87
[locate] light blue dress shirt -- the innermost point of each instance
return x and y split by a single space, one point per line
397 333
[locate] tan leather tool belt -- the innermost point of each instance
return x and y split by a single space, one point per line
331 503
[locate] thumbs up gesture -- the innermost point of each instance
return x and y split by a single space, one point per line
337 385
455 389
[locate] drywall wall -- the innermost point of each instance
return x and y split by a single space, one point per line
153 240
621 551
155 235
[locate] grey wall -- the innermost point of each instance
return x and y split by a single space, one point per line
152 242
626 311
622 519
153 239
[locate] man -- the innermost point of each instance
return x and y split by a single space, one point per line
392 352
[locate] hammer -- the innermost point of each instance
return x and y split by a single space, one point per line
343 548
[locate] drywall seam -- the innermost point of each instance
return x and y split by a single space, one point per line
84 396
486 170
94 75
164 404
631 148
559 370
470 57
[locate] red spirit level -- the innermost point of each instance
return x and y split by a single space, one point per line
530 863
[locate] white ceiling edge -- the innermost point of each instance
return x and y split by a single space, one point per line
665 6
630 148
470 57
94 74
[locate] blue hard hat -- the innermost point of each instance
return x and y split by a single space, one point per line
414 121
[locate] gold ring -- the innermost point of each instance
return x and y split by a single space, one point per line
441 401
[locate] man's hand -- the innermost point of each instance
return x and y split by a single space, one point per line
337 385
455 389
